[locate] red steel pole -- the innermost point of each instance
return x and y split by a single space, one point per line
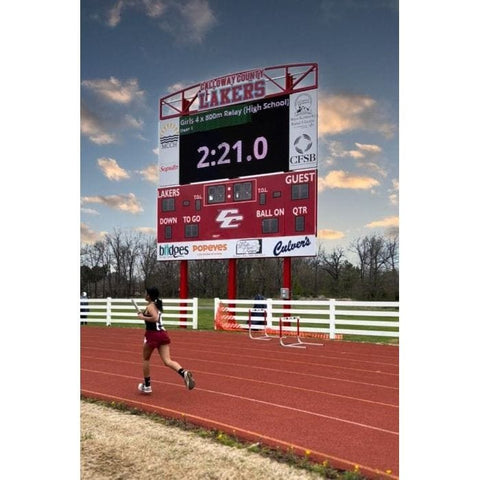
287 280
183 288
287 275
232 278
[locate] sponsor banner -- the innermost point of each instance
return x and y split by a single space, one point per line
303 131
293 246
168 152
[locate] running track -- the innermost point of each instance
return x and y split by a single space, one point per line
339 401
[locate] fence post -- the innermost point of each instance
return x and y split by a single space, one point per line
216 304
195 313
332 318
109 311
269 313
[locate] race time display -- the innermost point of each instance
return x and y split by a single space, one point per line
249 123
246 139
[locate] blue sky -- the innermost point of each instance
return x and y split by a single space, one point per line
135 51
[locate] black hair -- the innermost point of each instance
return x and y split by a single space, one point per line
153 293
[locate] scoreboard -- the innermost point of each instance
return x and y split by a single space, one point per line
265 216
238 166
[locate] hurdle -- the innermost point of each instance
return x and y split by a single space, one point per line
265 335
299 343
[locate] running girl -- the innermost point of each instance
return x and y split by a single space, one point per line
156 337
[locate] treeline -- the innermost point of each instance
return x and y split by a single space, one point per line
123 264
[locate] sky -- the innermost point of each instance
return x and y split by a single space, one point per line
133 52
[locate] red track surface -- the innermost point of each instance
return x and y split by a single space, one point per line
339 401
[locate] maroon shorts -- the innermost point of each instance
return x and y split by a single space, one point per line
154 339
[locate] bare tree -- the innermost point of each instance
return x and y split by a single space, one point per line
370 251
391 255
167 277
147 259
94 268
333 264
125 249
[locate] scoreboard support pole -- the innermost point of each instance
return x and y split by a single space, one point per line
287 280
232 279
183 289
287 275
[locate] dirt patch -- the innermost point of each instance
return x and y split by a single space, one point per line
117 445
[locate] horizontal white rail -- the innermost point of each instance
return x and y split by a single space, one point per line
176 311
332 317
379 319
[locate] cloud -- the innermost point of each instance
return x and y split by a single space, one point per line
111 169
87 235
150 174
373 149
108 106
132 122
340 113
151 8
198 19
176 87
385 222
114 15
342 179
187 21
125 203
115 91
337 150
93 127
393 197
146 230
390 224
329 234
365 156
90 211
372 166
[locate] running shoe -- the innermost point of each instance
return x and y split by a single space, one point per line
144 388
188 379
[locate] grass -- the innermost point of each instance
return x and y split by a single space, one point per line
281 456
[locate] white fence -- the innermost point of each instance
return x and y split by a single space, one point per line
331 317
176 311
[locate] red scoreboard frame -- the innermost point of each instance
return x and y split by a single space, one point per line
237 165
265 216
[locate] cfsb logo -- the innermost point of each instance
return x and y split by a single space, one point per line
303 144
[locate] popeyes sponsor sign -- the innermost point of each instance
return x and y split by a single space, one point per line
231 89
